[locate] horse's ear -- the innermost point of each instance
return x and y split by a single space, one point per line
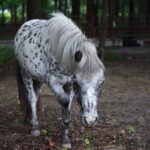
78 56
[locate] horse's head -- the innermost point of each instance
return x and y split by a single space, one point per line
88 81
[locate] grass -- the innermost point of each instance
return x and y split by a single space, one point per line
6 56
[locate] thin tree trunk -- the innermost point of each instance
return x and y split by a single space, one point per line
3 16
116 8
15 14
76 10
147 11
43 5
11 14
90 18
66 6
34 9
23 11
103 34
131 15
60 5
122 10
56 4
96 8
111 18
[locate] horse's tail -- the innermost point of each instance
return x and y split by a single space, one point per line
24 102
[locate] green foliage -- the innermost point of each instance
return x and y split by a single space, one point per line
6 55
88 137
43 131
130 129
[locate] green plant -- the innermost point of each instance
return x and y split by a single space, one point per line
43 131
88 137
6 55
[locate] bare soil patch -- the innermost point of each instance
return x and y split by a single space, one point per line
124 110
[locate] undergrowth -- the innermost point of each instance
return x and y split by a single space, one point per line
6 56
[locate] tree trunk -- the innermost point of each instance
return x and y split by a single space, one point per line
116 8
76 10
66 6
56 4
111 18
15 14
60 5
44 4
3 16
103 34
34 9
23 11
96 8
147 12
11 14
131 15
90 18
122 10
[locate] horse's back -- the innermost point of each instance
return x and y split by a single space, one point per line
27 49
26 29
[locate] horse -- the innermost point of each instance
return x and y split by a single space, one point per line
57 53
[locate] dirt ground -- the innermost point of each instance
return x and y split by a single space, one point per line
124 110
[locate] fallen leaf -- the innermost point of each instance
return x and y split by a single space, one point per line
51 144
122 132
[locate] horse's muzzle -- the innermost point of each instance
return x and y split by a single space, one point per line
89 121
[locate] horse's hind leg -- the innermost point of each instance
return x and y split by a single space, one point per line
37 88
28 82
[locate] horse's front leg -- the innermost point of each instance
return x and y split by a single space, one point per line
32 98
64 124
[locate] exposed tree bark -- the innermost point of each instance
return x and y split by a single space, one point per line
147 11
11 13
123 10
131 15
3 16
103 34
66 6
76 10
34 9
116 8
44 4
90 18
15 14
111 18
56 4
60 5
96 8
23 11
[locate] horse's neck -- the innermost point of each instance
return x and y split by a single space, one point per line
55 69
55 79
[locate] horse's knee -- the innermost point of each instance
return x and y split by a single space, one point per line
64 102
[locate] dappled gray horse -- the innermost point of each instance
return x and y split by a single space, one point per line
57 53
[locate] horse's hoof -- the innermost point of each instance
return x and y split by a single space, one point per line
66 145
35 132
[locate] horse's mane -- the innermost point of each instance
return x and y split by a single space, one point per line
66 40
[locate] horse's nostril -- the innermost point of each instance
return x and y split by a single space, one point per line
96 119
